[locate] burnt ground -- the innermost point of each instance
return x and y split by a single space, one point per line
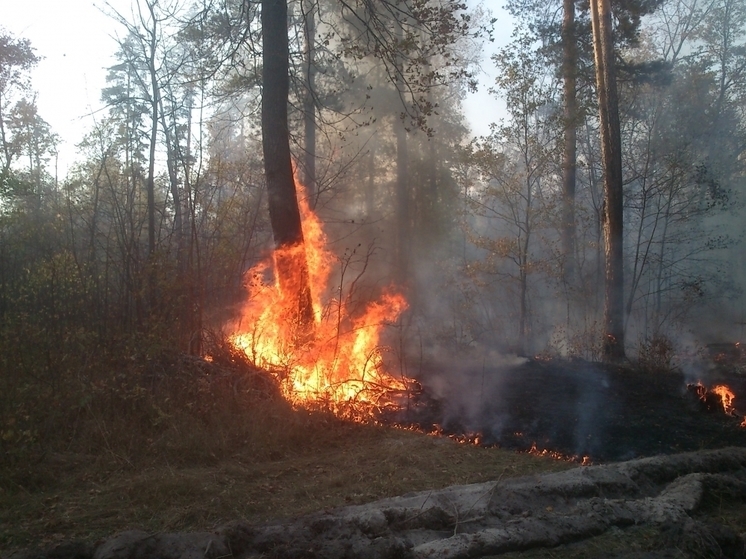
579 409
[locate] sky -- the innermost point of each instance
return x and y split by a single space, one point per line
75 39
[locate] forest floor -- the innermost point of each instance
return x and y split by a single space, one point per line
67 497
319 463
580 409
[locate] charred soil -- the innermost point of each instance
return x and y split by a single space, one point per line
580 409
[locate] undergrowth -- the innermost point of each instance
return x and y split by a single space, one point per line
161 441
154 406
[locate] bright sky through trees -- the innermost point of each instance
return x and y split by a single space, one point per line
75 39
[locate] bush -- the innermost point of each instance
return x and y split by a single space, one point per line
164 406
656 354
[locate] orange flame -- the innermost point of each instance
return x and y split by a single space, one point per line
718 394
582 460
726 397
340 364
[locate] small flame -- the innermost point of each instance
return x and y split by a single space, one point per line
582 460
718 397
340 364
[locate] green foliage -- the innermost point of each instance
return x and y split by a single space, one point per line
14 184
16 58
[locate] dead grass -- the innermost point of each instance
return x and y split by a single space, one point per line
169 443
175 445
88 497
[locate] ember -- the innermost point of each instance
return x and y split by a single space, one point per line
340 364
573 410
437 430
582 460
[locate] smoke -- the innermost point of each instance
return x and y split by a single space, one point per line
517 403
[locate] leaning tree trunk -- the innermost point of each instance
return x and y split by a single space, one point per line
667 495
611 149
291 265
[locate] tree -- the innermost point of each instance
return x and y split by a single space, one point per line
564 32
309 9
159 76
17 57
290 257
682 175
33 138
515 162
611 148
569 157
386 30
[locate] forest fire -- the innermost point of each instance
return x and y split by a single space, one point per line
582 460
337 362
726 397
717 398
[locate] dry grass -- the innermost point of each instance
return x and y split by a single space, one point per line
177 445
174 444
76 496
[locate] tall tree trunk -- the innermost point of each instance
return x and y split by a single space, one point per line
569 163
7 155
291 266
193 261
403 230
611 149
150 184
523 329
172 154
370 190
403 234
309 105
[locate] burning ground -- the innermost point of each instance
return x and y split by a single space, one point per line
327 350
232 456
580 409
236 452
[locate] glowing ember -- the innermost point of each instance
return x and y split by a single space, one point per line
582 460
339 363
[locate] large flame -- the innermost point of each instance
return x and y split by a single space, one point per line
726 397
717 397
338 362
